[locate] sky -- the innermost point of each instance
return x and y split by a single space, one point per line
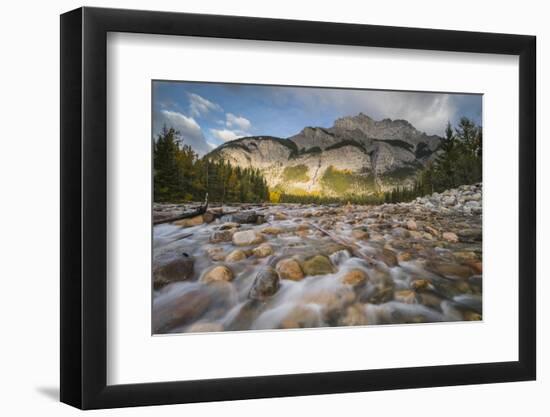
209 114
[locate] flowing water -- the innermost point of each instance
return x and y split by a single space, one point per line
386 265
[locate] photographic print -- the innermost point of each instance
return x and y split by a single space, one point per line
282 207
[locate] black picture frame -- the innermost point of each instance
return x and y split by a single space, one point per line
84 207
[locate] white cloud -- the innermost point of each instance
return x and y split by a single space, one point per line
225 134
238 122
199 106
428 112
190 131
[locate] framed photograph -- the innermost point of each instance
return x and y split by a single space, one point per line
258 208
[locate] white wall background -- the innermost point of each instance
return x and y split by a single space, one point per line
29 164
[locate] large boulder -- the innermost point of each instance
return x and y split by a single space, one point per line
181 311
179 269
318 265
220 236
290 269
235 256
216 274
355 277
265 249
247 237
265 284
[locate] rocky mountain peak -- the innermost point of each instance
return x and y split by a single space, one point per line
369 155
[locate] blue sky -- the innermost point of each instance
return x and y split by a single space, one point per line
209 114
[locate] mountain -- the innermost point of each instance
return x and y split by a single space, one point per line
357 155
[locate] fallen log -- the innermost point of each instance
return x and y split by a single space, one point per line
201 210
188 215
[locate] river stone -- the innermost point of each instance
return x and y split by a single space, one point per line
181 311
465 256
301 317
272 230
360 234
450 237
265 284
220 236
427 236
404 257
355 315
405 296
193 221
235 256
471 234
449 200
411 225
471 315
280 216
217 273
420 284
355 277
429 299
229 225
388 257
241 217
265 249
338 258
180 269
450 270
216 254
332 302
415 234
318 265
205 327
290 269
472 204
432 231
247 237
400 232
379 289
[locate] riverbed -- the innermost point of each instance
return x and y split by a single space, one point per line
259 267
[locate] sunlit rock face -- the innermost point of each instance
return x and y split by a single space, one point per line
372 155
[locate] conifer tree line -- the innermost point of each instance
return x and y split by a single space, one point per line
459 162
180 175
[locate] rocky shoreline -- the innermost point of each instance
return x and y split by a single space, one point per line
298 266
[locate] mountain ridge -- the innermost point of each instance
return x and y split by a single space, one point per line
356 155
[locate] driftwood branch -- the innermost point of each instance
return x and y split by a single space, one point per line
350 246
